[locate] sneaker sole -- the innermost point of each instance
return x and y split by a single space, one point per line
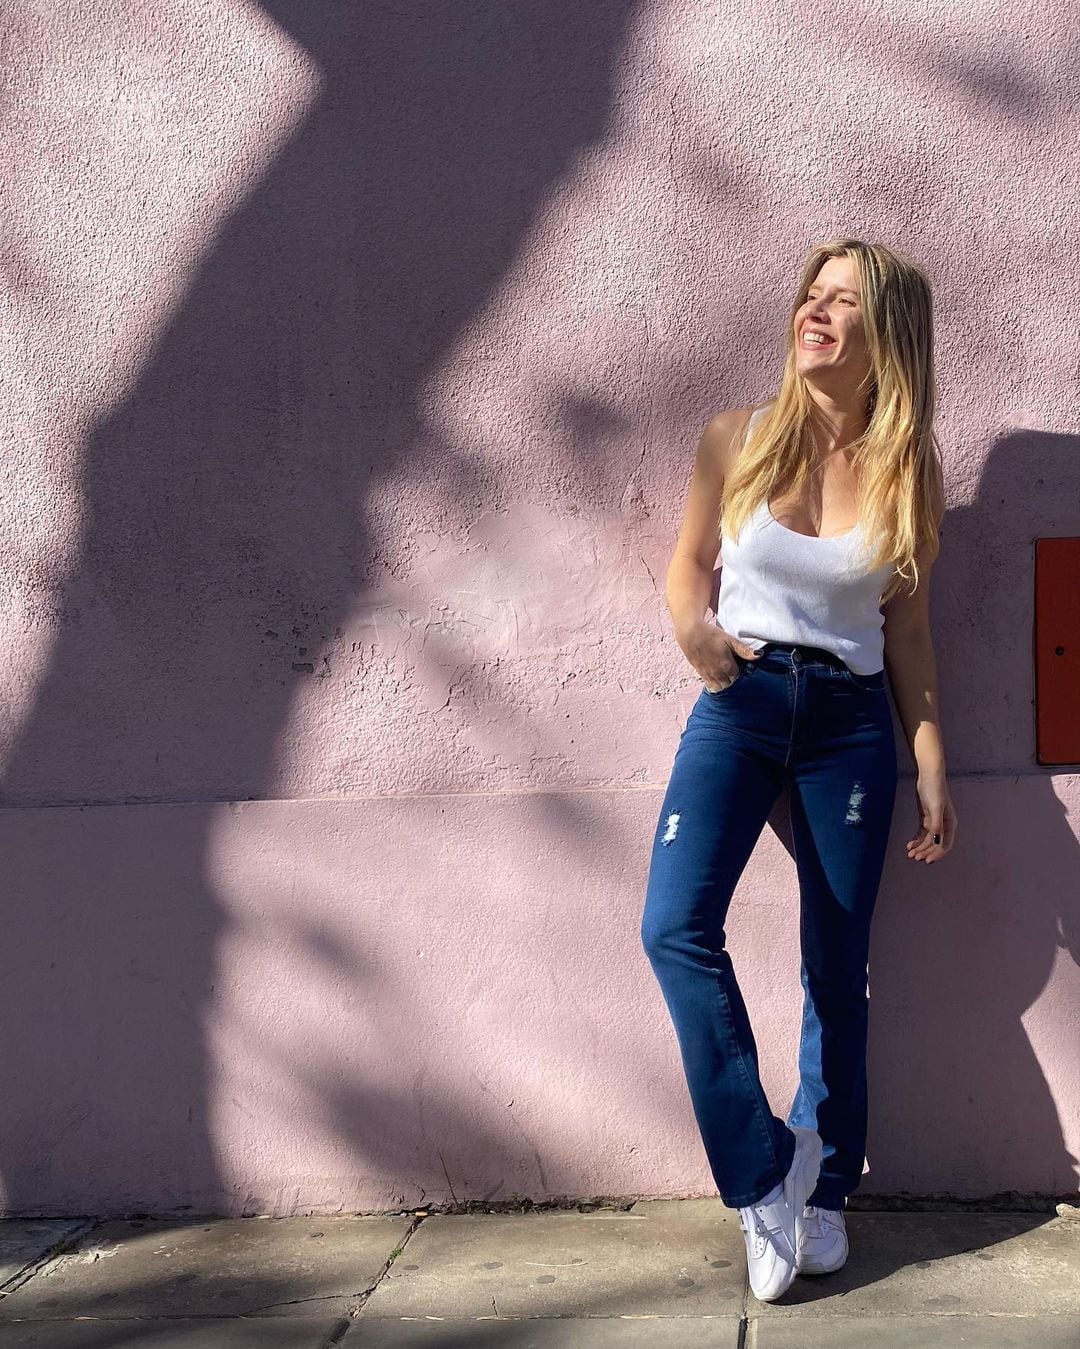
815 1270
816 1265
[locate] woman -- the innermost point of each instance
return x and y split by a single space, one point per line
828 500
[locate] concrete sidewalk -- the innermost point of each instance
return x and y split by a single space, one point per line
660 1273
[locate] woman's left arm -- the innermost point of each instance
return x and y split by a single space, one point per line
912 670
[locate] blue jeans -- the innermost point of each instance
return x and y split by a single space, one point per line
798 715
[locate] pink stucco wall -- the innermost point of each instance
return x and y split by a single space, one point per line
353 361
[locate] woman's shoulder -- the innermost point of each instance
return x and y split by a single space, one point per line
725 433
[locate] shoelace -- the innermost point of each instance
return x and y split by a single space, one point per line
817 1221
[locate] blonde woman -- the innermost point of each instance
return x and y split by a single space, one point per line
828 502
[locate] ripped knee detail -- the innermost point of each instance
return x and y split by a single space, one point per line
854 804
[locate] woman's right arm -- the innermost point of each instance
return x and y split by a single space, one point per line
689 576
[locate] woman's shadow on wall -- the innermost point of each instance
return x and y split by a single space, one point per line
234 504
964 949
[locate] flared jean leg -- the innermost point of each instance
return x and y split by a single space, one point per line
716 804
841 809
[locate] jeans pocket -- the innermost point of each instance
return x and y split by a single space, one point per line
739 674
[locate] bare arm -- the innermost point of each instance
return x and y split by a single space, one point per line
689 575
912 668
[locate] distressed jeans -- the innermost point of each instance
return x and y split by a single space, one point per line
797 715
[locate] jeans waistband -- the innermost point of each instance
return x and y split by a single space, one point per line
796 653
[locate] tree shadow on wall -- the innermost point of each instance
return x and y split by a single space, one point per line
229 525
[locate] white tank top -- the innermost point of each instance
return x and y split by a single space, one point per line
781 586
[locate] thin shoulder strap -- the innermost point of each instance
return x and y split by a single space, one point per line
748 425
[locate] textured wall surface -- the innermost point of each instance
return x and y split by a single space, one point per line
354 357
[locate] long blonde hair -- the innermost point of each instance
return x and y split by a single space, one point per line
897 460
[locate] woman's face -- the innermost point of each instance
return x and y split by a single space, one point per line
836 357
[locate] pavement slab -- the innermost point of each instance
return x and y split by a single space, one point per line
213 1267
207 1332
917 1332
664 1258
721 1332
948 1264
25 1242
662 1274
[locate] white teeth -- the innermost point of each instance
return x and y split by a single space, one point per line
818 339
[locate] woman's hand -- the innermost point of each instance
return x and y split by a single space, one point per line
936 829
710 649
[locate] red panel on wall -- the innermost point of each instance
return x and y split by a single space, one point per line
1057 651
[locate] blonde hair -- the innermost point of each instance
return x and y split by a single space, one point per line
897 460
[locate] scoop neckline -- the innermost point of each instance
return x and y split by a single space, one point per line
814 538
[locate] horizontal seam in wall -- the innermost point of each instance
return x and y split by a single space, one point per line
609 789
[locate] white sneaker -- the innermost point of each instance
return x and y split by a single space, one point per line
821 1243
769 1225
